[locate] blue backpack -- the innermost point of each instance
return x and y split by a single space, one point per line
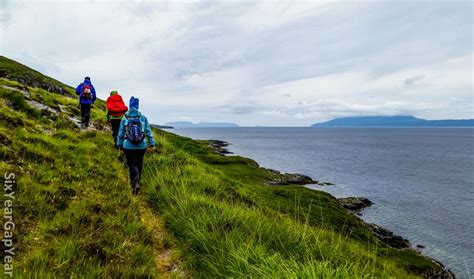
134 130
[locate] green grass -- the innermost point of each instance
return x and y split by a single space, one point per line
199 215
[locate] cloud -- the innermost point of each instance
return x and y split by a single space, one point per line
240 109
255 63
413 80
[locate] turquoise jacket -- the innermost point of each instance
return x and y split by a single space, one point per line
123 142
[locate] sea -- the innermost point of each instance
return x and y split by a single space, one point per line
420 179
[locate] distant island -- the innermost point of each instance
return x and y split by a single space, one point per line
393 121
188 124
161 126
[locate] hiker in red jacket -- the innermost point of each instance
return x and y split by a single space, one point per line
116 108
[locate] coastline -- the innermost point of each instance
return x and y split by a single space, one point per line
354 205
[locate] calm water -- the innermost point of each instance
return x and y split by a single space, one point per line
421 179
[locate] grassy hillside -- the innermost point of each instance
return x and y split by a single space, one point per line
13 70
199 215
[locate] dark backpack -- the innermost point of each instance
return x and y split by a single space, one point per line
134 130
86 92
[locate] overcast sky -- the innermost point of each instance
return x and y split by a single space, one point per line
266 63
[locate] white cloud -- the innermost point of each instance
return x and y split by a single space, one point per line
255 63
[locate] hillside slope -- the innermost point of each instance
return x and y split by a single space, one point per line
13 70
200 214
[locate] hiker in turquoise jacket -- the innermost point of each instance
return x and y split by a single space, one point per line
134 148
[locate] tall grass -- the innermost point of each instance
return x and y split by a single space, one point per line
227 236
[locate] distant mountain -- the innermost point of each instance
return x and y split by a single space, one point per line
393 121
187 124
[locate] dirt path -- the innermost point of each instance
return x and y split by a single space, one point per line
164 261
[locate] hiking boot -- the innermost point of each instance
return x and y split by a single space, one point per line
136 189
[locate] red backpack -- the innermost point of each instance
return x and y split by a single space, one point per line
116 106
86 92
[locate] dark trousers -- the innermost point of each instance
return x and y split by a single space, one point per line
135 164
85 114
115 124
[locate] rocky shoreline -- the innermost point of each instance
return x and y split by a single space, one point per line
356 205
353 204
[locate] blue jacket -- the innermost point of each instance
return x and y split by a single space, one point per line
79 91
123 142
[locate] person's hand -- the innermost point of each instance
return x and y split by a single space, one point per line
151 148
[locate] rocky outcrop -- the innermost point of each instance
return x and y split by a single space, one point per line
355 204
41 107
33 82
220 147
325 183
290 178
24 92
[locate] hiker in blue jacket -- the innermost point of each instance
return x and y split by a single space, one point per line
134 128
86 92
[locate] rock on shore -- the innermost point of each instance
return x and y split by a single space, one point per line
389 237
290 178
355 204
220 146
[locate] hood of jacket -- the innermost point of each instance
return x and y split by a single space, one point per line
133 112
134 102
87 82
